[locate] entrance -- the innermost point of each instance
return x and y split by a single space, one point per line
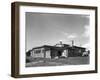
59 53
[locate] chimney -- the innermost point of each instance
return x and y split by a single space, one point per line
61 42
72 42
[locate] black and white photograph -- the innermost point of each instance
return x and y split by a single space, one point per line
52 39
57 39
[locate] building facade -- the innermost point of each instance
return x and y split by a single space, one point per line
56 51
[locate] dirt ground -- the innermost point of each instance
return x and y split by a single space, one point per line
58 62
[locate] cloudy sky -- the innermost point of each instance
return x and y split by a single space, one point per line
49 29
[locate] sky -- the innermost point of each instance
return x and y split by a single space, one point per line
50 28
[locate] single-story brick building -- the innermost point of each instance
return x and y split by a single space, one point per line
55 51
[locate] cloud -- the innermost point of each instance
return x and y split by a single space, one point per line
87 46
69 36
64 33
62 40
72 36
86 32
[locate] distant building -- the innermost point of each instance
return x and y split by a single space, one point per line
58 50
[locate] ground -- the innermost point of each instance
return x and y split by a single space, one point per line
57 62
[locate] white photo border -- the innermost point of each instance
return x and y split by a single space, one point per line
71 68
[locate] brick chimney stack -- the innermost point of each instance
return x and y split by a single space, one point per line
72 42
